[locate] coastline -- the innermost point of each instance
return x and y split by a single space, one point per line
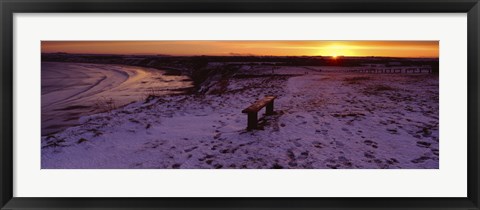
71 90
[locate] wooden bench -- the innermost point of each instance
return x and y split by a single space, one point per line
253 109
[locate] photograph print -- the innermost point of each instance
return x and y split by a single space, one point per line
293 104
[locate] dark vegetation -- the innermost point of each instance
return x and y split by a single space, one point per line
356 80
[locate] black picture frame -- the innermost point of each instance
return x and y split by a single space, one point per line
9 7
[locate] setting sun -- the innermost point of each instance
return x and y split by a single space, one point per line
334 50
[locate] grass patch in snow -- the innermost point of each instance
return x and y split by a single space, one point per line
378 89
356 80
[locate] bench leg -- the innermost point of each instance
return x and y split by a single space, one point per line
252 120
269 108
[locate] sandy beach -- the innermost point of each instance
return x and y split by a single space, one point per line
71 90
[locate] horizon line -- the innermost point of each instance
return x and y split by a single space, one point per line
237 55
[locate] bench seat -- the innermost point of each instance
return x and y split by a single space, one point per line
253 109
258 105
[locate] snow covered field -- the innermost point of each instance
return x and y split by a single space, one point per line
325 118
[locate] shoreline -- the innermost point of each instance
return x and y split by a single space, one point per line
70 90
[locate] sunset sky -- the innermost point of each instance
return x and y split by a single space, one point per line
274 48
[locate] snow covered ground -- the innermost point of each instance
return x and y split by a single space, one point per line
324 119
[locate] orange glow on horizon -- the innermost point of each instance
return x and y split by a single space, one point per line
428 49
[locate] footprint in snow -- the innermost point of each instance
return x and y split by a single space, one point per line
339 144
297 144
423 144
191 149
369 154
421 159
371 143
318 144
303 155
